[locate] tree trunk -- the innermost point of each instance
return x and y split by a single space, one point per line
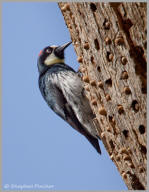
110 42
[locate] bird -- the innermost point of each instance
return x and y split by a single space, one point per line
62 89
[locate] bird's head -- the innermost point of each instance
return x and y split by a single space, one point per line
51 55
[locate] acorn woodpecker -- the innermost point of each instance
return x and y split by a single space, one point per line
62 89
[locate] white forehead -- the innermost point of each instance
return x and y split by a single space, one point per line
54 46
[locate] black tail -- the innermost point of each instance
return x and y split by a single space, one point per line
94 142
74 122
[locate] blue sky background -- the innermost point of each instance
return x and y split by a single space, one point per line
38 147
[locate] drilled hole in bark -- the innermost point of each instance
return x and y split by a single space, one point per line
109 82
110 118
92 60
98 69
112 121
137 53
79 11
141 129
143 149
109 56
101 120
135 105
127 24
136 184
120 109
96 44
108 53
145 45
79 39
111 144
125 133
144 87
106 24
124 75
93 7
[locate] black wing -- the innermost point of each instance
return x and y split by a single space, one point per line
59 105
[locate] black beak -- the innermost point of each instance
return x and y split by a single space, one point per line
59 51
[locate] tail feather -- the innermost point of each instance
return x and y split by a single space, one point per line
74 122
94 142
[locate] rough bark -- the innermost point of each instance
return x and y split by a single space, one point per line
110 42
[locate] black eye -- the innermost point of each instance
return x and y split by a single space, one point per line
49 50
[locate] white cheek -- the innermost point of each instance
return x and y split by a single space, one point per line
52 59
49 59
